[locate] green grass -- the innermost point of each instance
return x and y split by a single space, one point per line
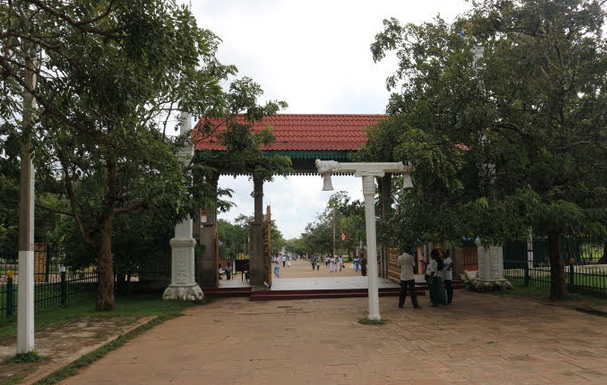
31 356
543 294
142 305
133 305
367 321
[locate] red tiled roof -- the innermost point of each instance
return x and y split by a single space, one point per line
310 132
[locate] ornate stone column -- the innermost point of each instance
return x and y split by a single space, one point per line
183 285
490 268
369 194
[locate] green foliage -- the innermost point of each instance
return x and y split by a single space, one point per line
367 321
109 76
340 215
501 115
31 356
234 239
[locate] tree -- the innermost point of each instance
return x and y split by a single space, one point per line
318 237
108 70
503 118
295 246
233 238
240 231
341 214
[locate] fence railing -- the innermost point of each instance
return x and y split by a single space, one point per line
54 283
529 265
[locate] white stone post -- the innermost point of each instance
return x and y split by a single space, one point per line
490 268
369 194
368 172
183 284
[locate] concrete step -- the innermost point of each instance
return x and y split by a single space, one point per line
267 295
218 292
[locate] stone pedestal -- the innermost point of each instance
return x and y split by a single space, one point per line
490 275
183 286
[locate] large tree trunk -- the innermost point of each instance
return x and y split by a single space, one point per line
105 262
105 266
558 289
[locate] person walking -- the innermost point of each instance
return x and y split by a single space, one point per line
448 276
277 268
406 262
332 265
229 271
434 274
313 262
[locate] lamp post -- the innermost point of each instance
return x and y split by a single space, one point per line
368 172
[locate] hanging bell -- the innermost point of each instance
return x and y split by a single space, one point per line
407 182
326 182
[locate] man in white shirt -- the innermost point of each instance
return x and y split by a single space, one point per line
448 276
406 262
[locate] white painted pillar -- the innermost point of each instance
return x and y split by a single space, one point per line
183 283
369 194
368 172
490 268
25 302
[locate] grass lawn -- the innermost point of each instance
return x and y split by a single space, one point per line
572 300
128 306
132 305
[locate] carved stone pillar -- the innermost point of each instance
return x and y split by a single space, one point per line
183 285
490 269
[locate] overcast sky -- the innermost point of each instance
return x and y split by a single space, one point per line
315 56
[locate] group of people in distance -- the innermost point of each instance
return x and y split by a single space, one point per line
335 263
439 276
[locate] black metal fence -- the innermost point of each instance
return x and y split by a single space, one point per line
54 283
528 264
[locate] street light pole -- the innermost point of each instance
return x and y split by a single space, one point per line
368 172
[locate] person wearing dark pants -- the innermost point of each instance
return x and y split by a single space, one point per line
448 276
406 262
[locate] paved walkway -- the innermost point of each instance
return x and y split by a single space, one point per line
479 339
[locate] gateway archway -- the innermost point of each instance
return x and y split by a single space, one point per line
302 138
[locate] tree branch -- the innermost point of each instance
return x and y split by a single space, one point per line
57 211
132 207
81 26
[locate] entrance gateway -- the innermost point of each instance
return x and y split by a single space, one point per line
315 144
302 138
